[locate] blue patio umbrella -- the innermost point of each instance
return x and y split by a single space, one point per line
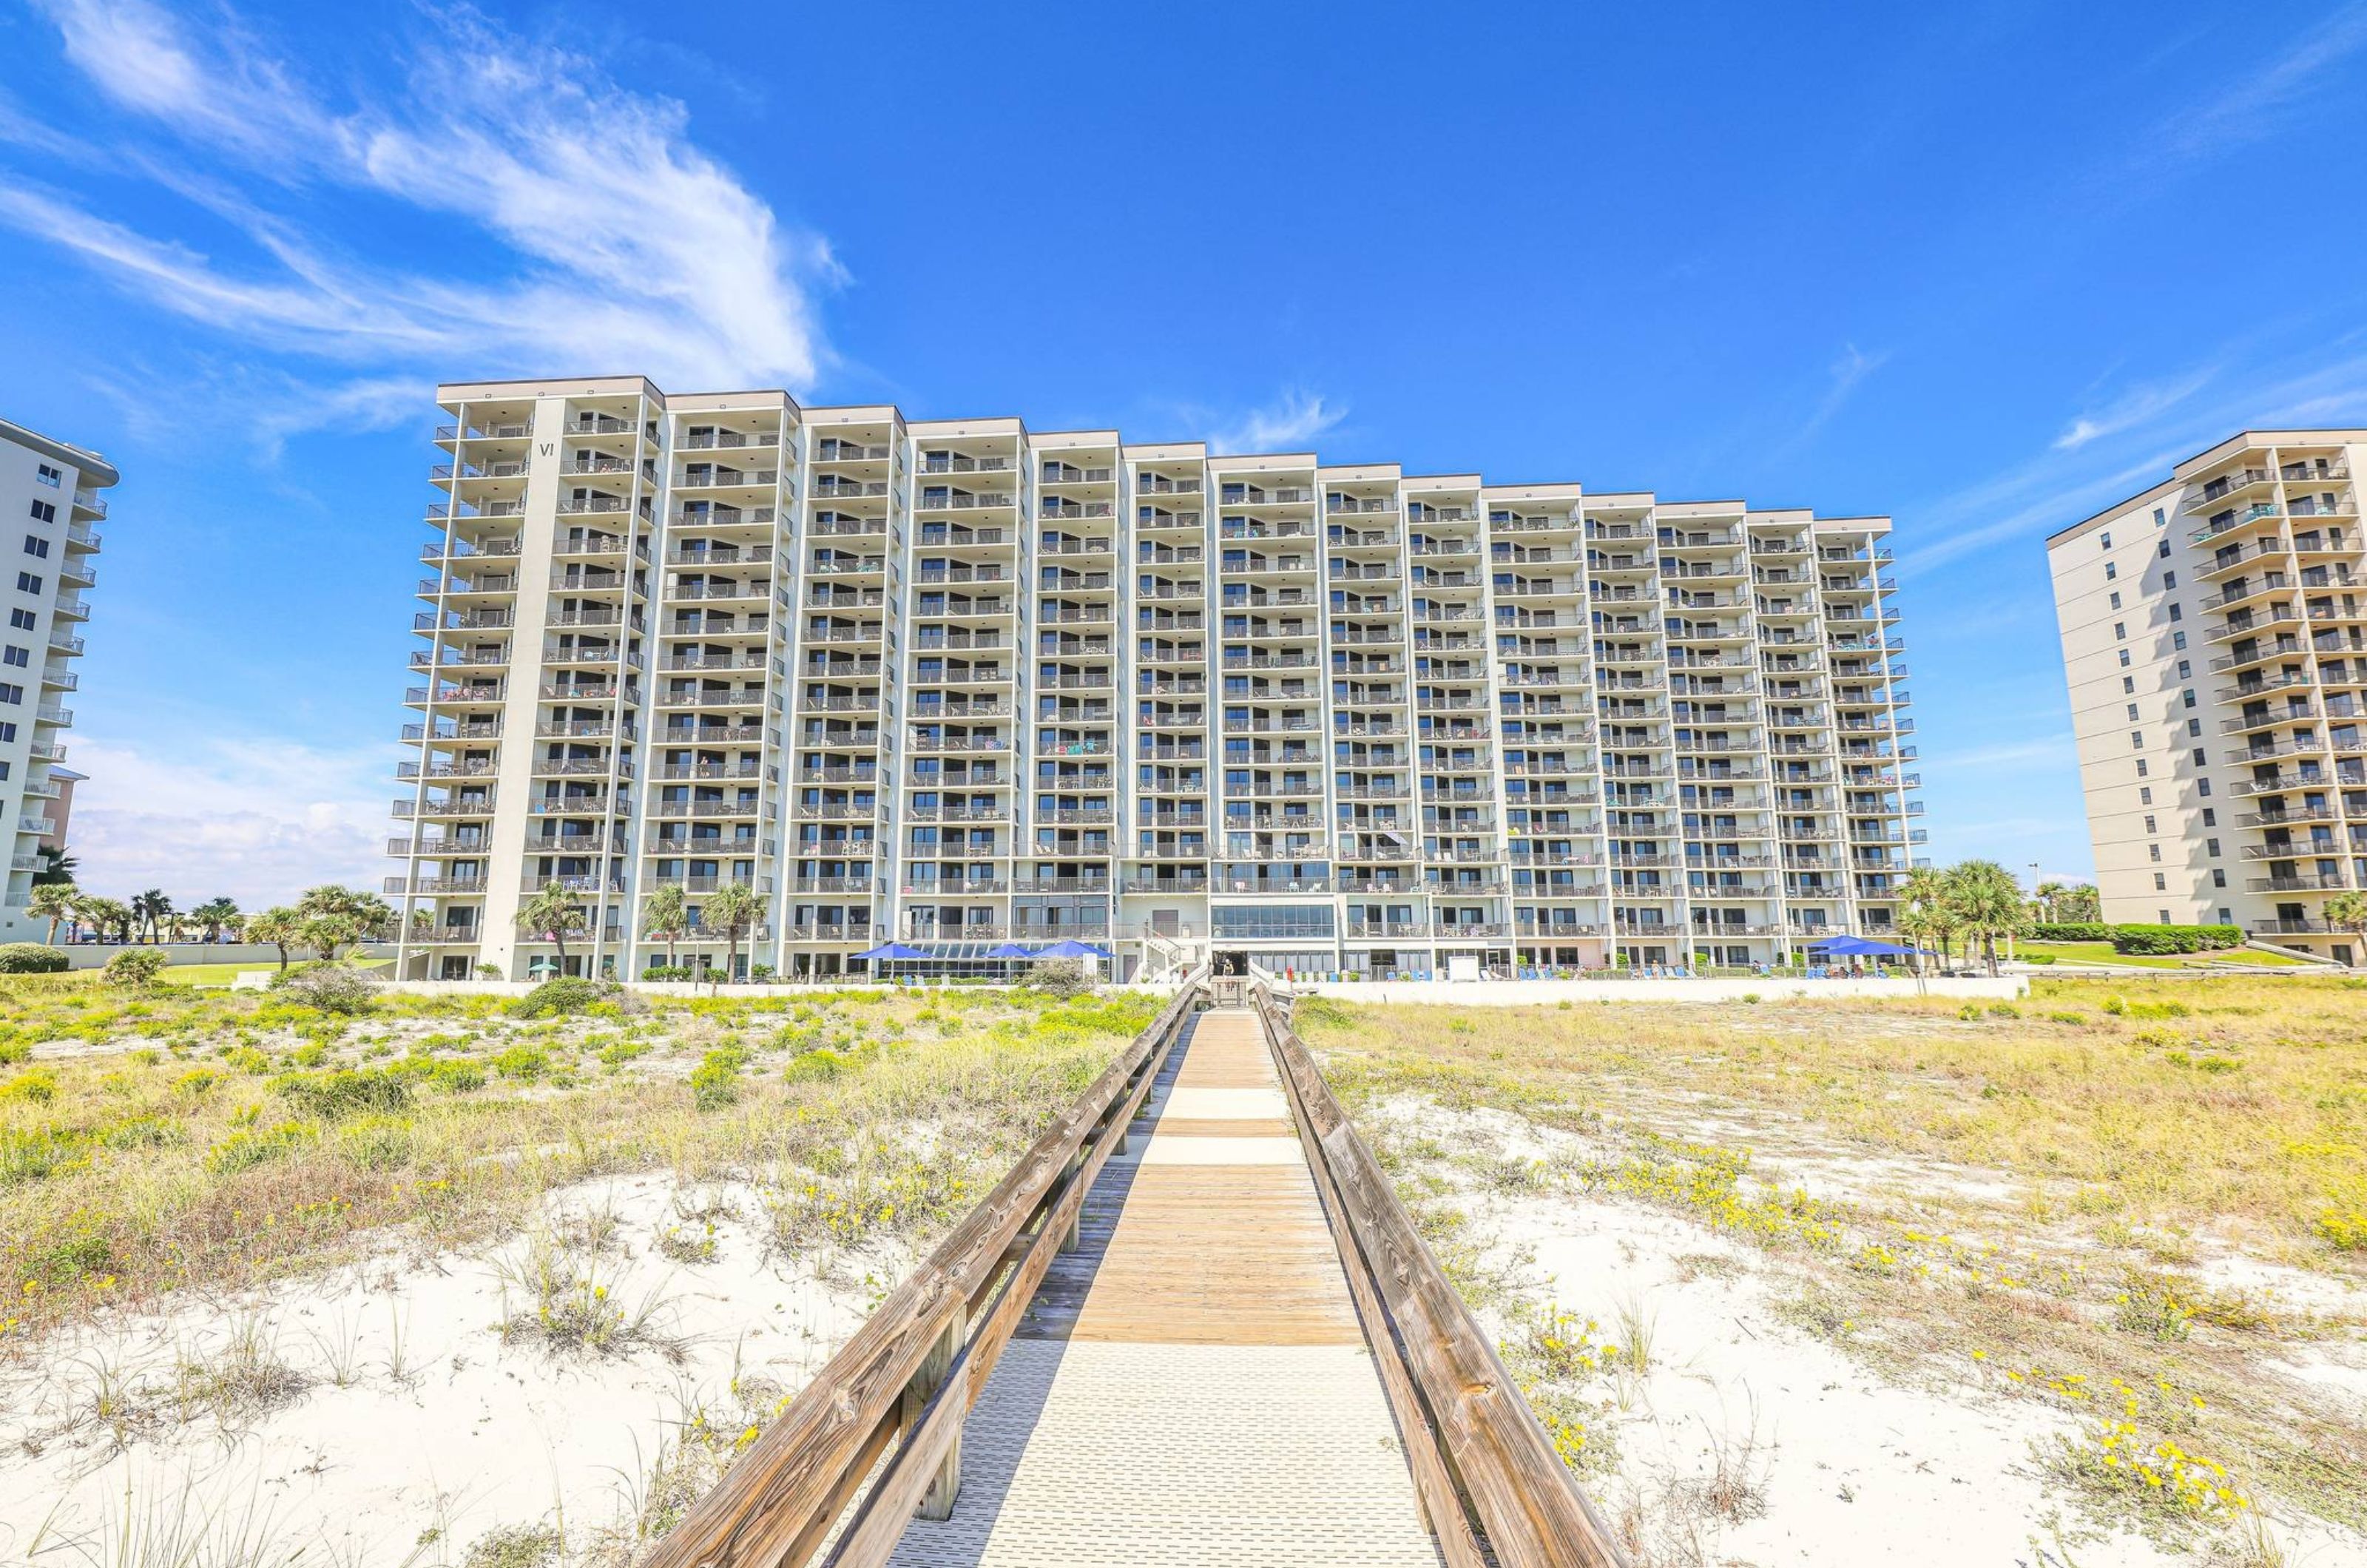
1858 946
1072 949
1009 950
892 950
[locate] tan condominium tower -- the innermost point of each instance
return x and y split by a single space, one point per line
960 684
51 489
2214 636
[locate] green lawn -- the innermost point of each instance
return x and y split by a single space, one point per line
2102 952
223 973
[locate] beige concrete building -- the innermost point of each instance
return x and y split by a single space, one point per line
2214 636
959 685
51 489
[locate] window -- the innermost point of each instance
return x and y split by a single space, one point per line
2193 729
2161 520
2120 629
2111 572
2145 794
2169 580
2163 551
2152 853
7 730
2128 683
2116 601
24 620
2178 641
45 512
2202 760
2210 820
47 475
2210 848
2124 659
28 583
36 546
2202 787
21 658
2136 738
2108 541
2161 884
12 694
2185 670
2177 611
2218 877
2187 697
2133 712
2141 769
2150 828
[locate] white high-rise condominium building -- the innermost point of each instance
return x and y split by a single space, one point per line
957 683
52 490
2214 636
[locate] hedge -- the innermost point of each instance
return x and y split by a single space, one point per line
30 958
2143 939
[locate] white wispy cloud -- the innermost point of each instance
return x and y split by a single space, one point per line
615 233
1843 377
2133 450
2139 405
2011 754
2259 103
1290 421
256 818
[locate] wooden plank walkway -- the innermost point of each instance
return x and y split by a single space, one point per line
1191 1386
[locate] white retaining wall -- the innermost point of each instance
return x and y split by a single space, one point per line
1536 993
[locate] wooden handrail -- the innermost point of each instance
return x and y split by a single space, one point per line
1490 1483
923 1358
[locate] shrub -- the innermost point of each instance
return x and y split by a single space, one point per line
12 1051
2072 930
335 1096
37 1086
457 1077
331 987
715 1082
560 995
135 969
522 1063
30 958
1058 977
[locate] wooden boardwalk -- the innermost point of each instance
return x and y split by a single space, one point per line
1190 1386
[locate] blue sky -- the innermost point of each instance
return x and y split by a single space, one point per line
1981 268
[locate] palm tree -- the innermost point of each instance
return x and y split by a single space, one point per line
1987 902
552 913
53 902
57 865
1924 913
2347 911
149 908
735 908
214 914
665 914
2047 895
2082 904
278 927
326 933
106 915
372 913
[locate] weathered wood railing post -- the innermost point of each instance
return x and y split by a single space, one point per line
937 1502
1072 1235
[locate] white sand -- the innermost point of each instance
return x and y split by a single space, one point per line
473 1433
